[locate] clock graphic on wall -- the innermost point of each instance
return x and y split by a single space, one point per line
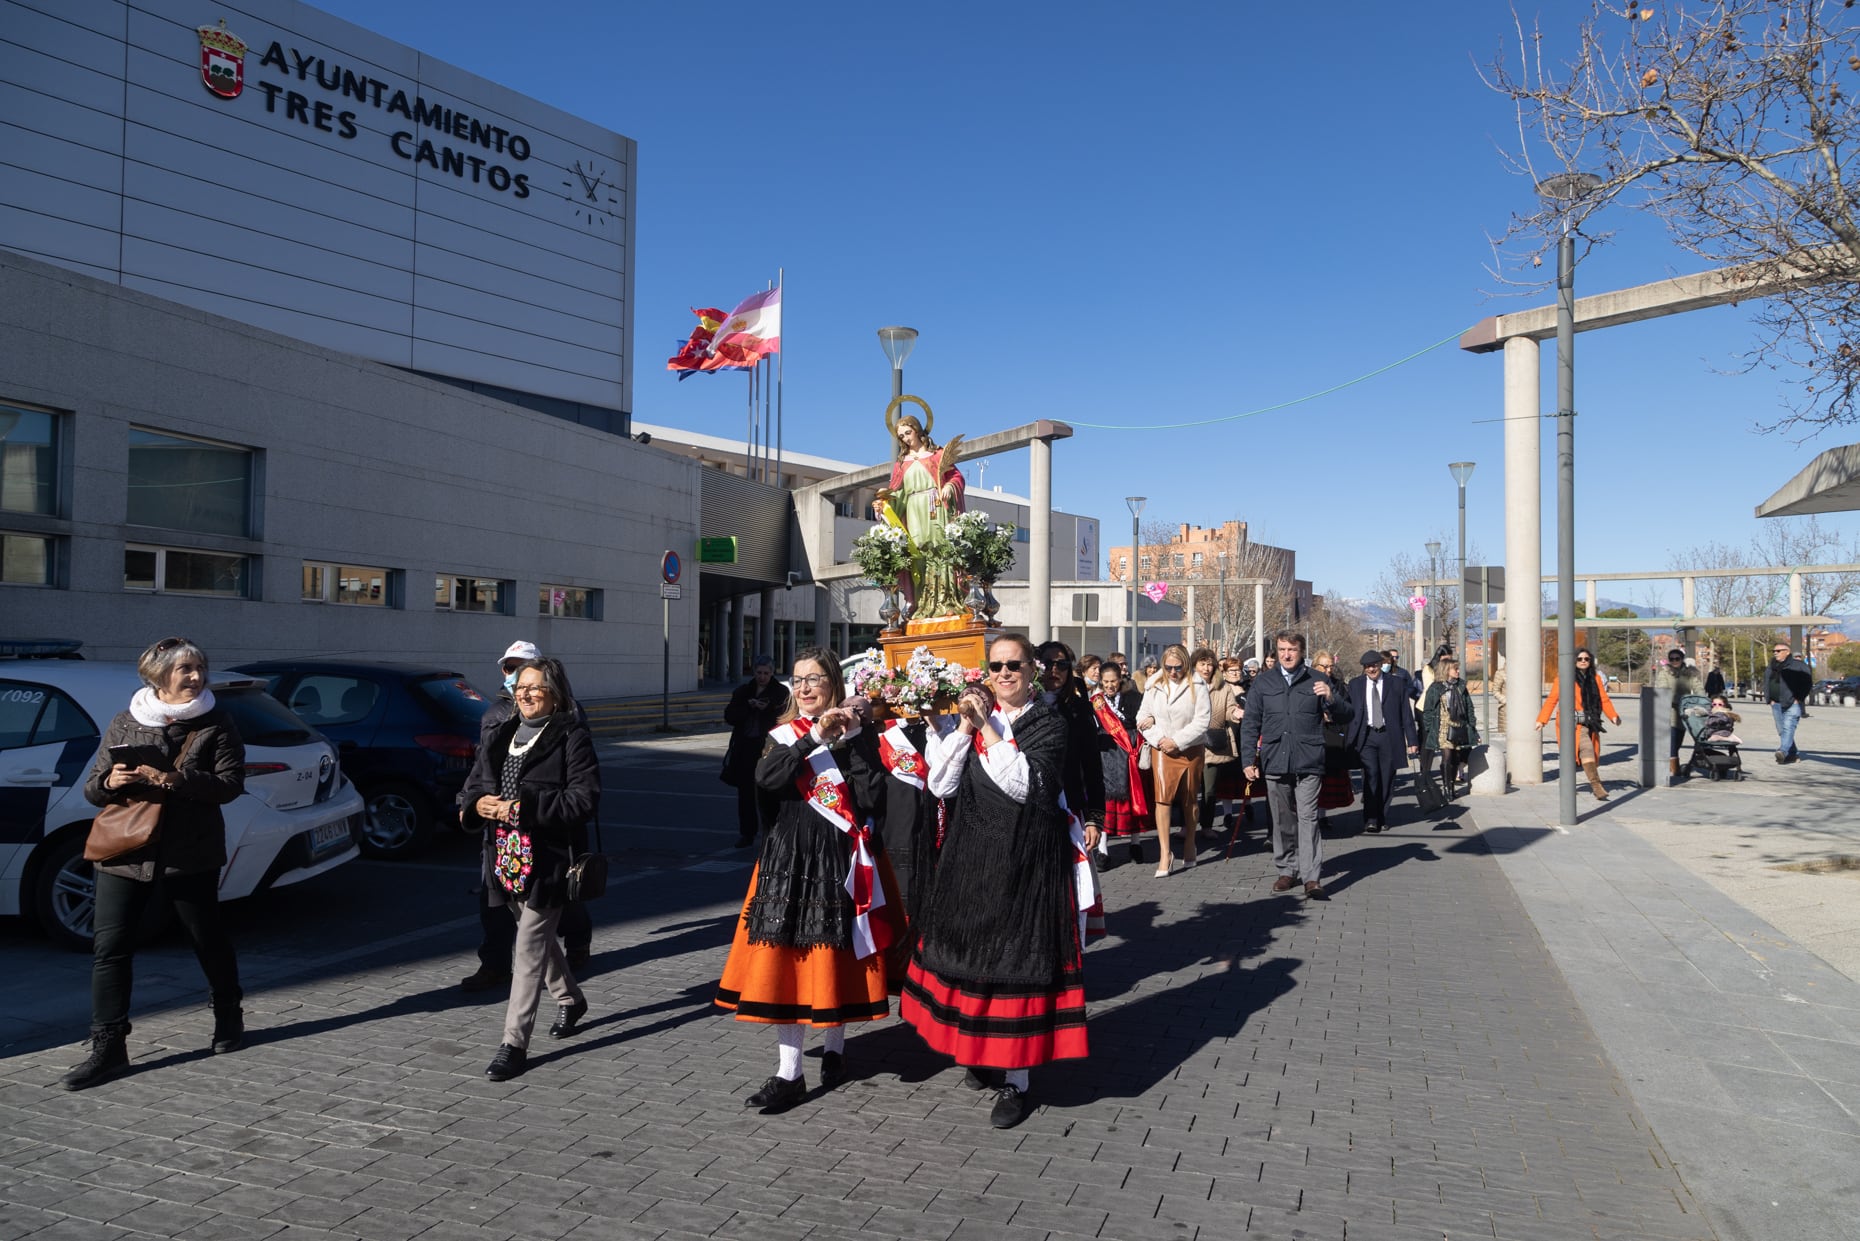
591 194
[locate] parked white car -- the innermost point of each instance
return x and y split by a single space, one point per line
297 818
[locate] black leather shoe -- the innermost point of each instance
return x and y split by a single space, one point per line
485 979
108 1058
832 1069
507 1063
982 1079
1373 828
778 1094
567 1016
1011 1107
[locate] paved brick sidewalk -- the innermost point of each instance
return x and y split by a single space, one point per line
1402 1062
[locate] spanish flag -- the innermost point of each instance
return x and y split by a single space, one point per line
696 355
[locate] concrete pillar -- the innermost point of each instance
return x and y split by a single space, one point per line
1420 639
823 614
733 666
1524 651
1040 544
1193 619
1588 599
719 639
1688 596
765 621
1795 595
1259 621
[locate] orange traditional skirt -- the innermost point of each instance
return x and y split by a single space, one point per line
817 986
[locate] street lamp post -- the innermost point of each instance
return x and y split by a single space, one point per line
1222 610
1136 504
1432 627
1566 188
897 342
1461 471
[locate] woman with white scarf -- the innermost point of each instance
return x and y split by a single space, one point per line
186 755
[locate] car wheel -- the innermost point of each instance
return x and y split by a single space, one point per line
65 896
398 822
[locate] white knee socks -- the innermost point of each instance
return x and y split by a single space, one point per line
790 1065
833 1039
1017 1078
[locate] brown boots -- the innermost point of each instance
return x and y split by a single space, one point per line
1590 770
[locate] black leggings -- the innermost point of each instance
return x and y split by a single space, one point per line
120 906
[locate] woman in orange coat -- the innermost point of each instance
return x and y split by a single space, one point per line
1592 703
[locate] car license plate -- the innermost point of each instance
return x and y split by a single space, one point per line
329 838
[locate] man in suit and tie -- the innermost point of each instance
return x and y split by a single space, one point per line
1381 733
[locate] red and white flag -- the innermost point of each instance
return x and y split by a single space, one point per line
752 330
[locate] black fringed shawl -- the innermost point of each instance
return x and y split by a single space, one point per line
1000 909
801 899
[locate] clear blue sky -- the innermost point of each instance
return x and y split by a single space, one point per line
1131 215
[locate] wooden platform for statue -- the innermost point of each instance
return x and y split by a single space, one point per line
967 645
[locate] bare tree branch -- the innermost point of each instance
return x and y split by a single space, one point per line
1729 121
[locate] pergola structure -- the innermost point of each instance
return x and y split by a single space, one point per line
1520 337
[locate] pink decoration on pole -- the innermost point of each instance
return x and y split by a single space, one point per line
1156 592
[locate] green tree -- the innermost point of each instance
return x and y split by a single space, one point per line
1622 652
1845 660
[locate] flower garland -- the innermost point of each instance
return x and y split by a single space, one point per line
926 682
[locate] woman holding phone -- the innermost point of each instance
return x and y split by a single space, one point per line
176 747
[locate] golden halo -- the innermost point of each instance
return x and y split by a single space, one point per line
892 416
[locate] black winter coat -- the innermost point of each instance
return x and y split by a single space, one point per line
1286 722
192 837
559 793
749 728
1084 774
801 899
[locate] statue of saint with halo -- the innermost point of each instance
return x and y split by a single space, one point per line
926 491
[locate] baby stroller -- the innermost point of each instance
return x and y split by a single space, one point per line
1713 759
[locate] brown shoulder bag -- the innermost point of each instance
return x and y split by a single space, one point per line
121 828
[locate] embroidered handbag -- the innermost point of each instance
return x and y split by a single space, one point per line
121 828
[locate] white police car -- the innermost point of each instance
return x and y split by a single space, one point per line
298 816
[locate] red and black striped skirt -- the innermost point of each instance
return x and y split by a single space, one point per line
998 1025
1121 820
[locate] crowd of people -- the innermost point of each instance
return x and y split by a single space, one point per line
950 861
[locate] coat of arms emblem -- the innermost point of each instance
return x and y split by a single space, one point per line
222 60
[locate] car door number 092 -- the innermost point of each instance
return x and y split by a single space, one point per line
34 696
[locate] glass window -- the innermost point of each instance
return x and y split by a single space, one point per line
569 601
63 720
25 559
260 718
188 484
347 583
334 699
28 460
19 711
186 572
469 594
1197 560
454 697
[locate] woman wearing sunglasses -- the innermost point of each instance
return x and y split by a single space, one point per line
1592 703
822 904
996 981
1174 718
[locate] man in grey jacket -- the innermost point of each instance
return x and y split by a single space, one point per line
1285 714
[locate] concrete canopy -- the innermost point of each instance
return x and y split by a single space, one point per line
1828 484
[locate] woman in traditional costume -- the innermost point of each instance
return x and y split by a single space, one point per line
821 908
1120 750
925 492
996 982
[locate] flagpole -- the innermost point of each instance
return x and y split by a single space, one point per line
749 435
781 274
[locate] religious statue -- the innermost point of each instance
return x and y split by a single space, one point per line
926 491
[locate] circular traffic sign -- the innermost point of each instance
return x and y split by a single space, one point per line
670 567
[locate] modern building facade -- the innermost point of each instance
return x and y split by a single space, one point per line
311 344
